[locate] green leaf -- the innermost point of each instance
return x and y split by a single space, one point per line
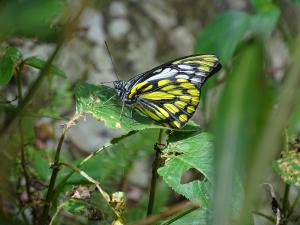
111 164
223 35
238 124
30 18
13 53
196 153
288 167
6 70
264 21
39 163
7 64
40 64
103 103
81 208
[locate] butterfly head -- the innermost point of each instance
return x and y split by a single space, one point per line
120 88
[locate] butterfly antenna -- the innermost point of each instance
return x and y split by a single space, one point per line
112 61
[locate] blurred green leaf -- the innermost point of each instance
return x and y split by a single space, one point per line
239 121
262 5
40 64
13 53
6 70
264 21
40 162
32 18
296 2
196 153
288 167
7 64
82 208
103 103
223 35
110 165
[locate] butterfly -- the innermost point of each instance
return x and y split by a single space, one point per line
169 94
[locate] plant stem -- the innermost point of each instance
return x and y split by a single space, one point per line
154 172
22 149
172 210
50 191
285 202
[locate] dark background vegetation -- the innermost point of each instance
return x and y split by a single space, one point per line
241 167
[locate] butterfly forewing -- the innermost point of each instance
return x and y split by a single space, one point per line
170 93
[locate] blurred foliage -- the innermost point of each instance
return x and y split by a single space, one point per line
220 160
289 168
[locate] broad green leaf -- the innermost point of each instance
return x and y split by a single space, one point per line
223 35
239 120
103 103
196 153
288 167
7 64
40 64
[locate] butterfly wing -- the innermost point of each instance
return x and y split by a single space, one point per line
170 93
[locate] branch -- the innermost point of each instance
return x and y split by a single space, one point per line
167 213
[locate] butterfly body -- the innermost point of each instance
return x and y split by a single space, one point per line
169 93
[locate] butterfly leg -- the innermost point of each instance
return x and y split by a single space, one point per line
108 100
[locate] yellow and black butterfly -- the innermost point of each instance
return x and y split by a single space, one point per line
169 93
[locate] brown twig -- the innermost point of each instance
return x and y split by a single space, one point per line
172 210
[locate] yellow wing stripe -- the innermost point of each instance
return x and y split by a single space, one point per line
169 87
180 104
183 118
194 92
176 124
157 95
211 58
175 92
190 109
135 88
148 88
163 82
172 108
149 113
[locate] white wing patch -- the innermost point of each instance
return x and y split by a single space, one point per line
166 73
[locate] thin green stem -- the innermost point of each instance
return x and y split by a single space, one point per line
59 208
285 201
154 173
